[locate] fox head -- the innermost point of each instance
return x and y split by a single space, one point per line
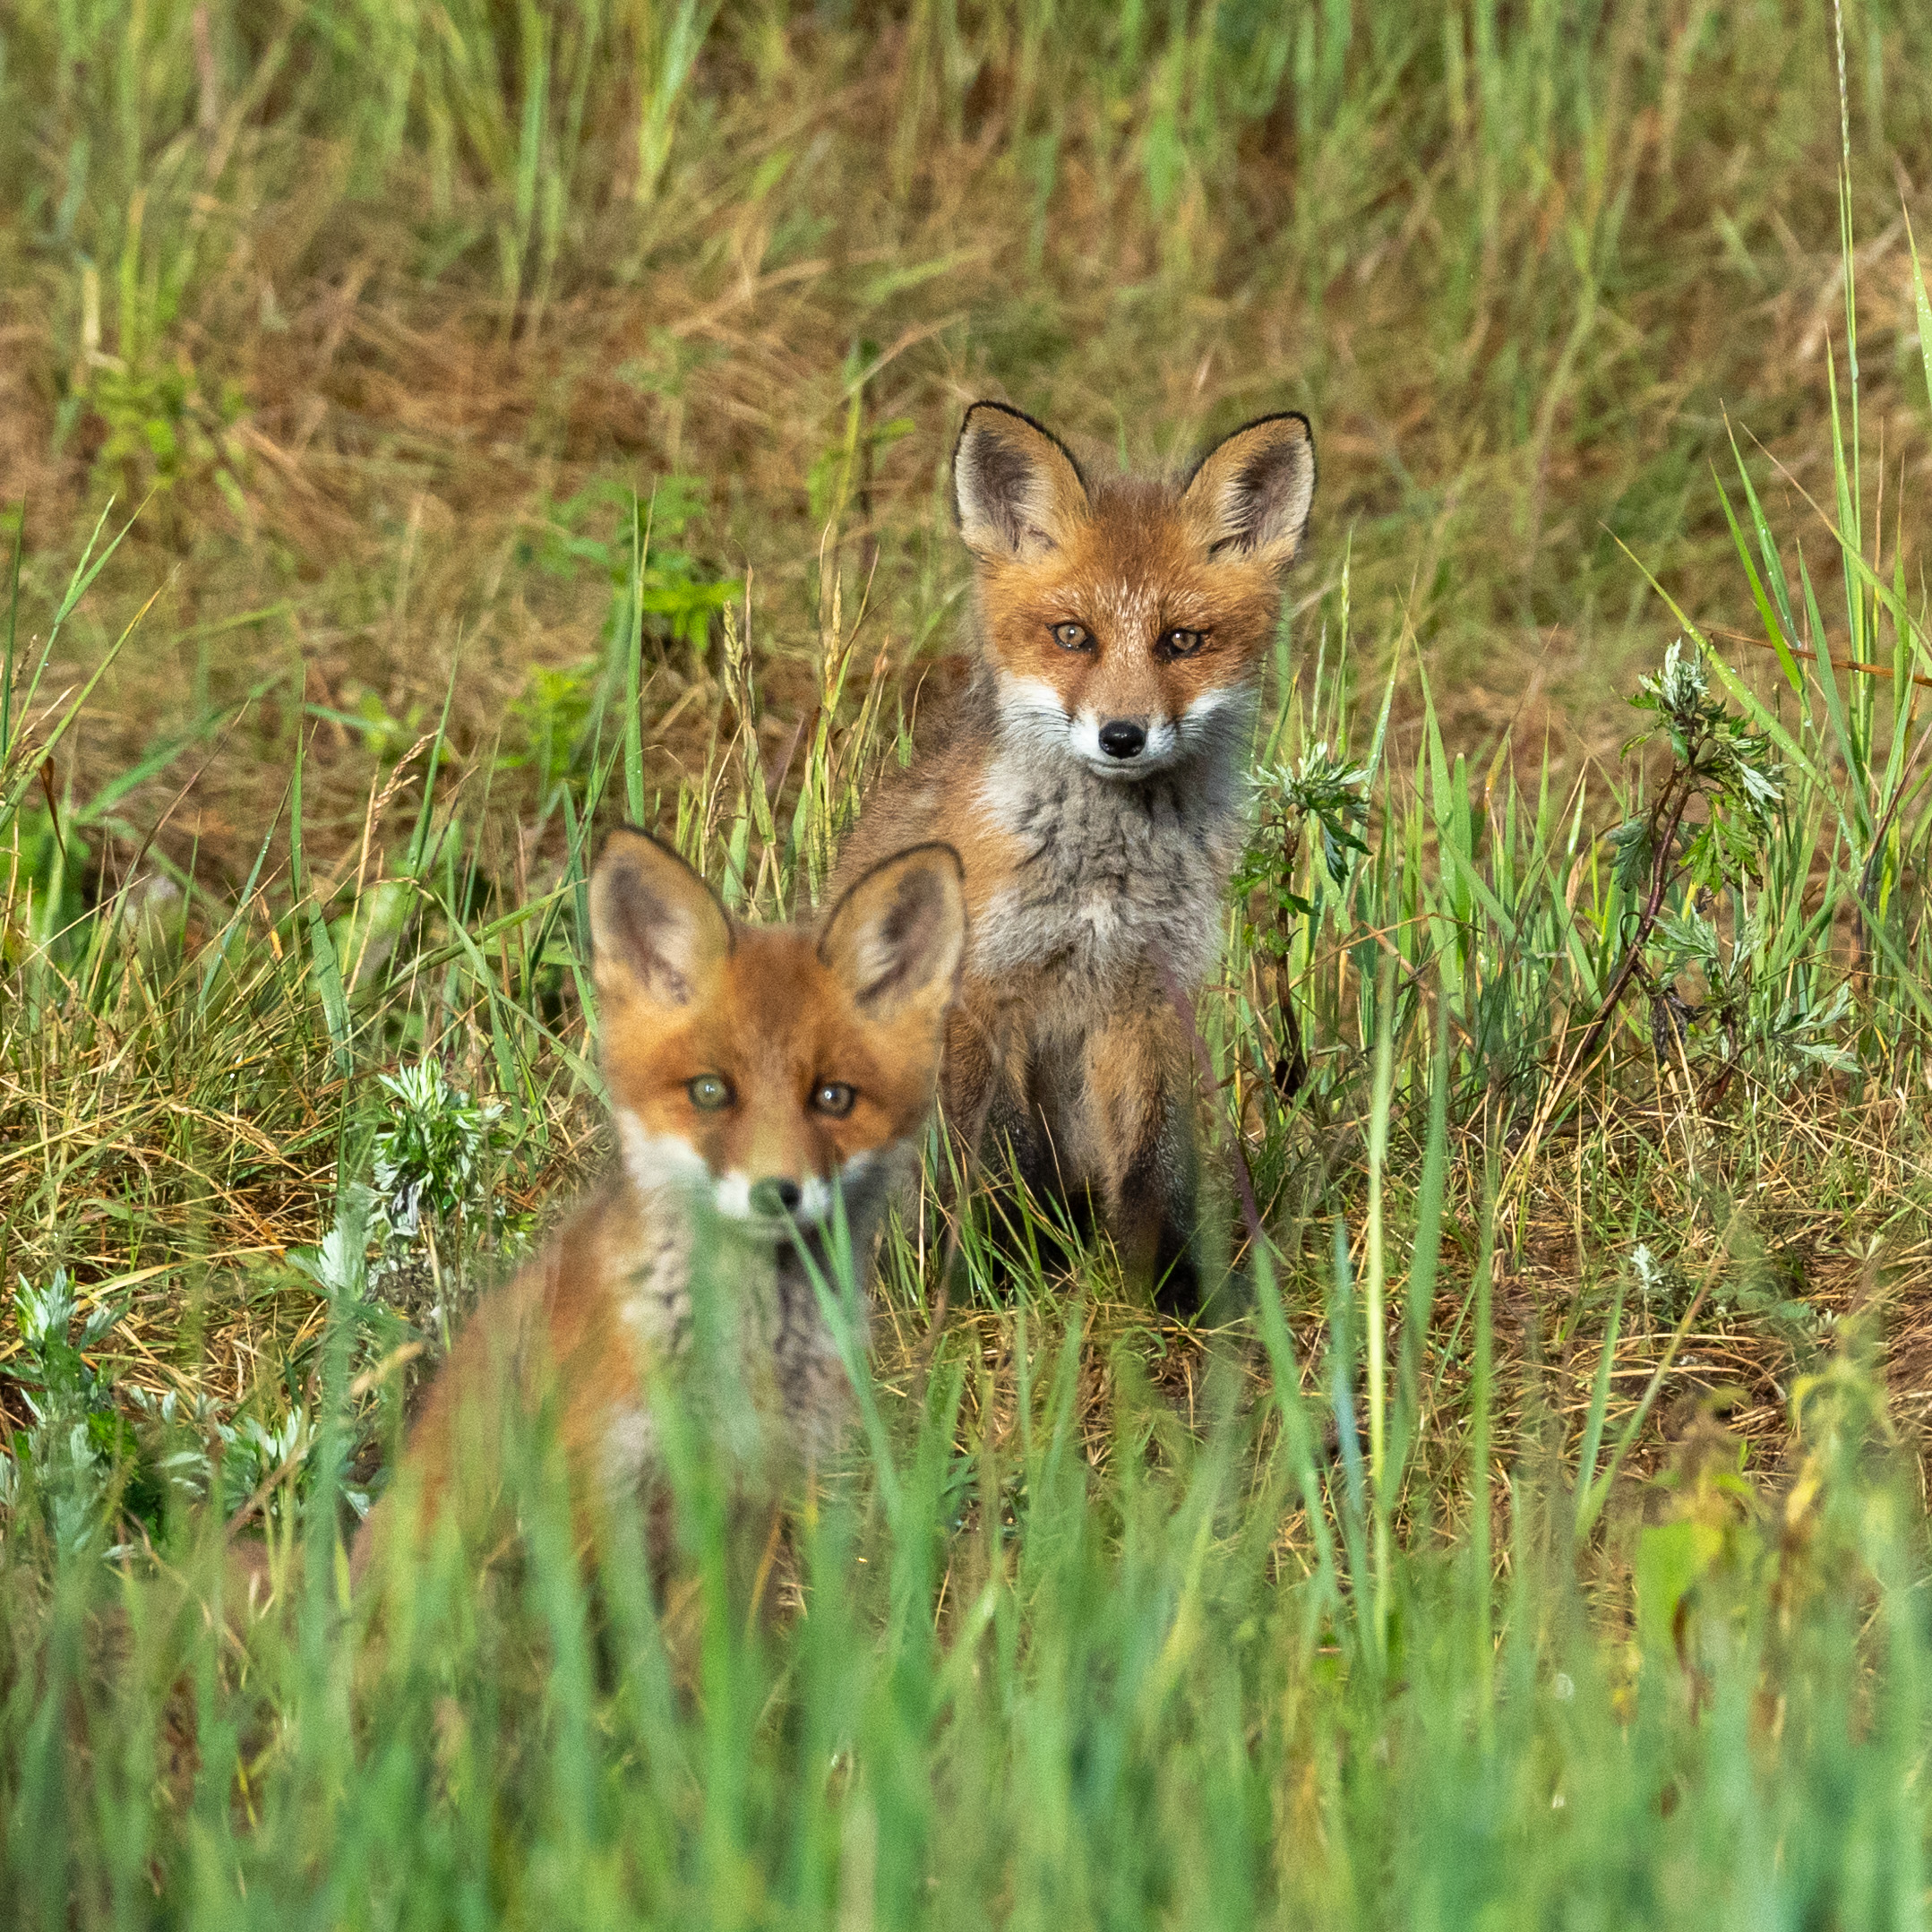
1126 620
753 1066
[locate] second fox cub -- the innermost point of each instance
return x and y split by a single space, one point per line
752 1071
1091 776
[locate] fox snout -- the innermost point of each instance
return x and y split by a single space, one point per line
773 1200
776 1197
1130 742
1125 747
1129 746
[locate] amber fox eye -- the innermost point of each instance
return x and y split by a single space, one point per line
834 1098
1181 643
708 1093
1072 637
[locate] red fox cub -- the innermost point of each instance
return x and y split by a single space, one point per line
1091 774
752 1071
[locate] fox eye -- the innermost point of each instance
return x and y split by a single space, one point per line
1178 643
1072 637
708 1093
834 1098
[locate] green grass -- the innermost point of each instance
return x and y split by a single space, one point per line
516 419
1109 1696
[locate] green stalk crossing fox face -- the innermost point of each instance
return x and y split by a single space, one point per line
1127 621
757 1067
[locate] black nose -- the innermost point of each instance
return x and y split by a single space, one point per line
1121 737
775 1196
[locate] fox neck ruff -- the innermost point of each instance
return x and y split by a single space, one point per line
1114 873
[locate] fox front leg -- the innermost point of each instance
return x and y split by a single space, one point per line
984 1098
1138 1092
1006 1119
974 1073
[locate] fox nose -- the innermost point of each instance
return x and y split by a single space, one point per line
775 1196
1122 737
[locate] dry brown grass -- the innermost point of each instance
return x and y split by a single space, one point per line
1481 413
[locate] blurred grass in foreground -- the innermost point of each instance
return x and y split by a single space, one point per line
1022 1690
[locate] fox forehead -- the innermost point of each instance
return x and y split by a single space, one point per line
773 1020
1134 565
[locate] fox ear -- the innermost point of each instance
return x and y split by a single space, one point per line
1017 490
656 928
897 938
1251 494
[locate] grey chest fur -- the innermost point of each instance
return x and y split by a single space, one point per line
1110 874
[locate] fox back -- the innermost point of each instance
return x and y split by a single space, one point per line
764 1084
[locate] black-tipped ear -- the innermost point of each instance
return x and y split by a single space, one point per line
1017 490
897 938
658 928
1251 494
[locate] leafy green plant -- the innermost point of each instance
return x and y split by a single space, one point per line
435 1170
160 431
77 1439
264 1464
1320 790
1720 763
1328 792
551 720
676 595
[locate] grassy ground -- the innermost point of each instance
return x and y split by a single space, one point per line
1535 1531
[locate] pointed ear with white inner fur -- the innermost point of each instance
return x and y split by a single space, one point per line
1017 491
657 930
1251 494
897 938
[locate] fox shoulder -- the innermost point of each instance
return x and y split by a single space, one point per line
954 716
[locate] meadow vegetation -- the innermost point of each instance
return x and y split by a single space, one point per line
430 433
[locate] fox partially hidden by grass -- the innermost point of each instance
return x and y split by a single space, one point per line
752 1073
1091 776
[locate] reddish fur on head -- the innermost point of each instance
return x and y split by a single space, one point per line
785 1020
1141 569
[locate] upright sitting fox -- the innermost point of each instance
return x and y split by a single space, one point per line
1090 775
752 1071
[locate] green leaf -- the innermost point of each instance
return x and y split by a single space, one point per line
1671 1559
